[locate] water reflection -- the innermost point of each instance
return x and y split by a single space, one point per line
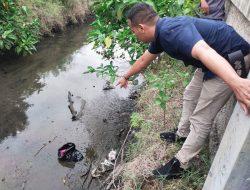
34 104
21 77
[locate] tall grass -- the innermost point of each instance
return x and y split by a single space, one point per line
21 22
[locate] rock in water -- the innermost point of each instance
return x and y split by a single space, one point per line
108 86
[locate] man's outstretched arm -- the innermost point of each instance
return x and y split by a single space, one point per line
220 66
137 67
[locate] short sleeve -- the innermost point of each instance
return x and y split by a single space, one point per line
154 49
186 38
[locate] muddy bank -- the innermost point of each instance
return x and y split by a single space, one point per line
36 121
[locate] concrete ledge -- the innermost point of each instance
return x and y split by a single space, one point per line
238 21
230 169
243 6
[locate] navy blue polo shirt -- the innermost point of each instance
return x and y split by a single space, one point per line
177 36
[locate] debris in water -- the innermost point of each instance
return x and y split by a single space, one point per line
71 107
64 181
75 115
106 165
112 155
108 85
69 153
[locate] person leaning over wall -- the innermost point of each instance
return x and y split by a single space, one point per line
211 46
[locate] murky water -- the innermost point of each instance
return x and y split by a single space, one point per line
35 120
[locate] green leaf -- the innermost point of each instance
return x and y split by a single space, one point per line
187 11
180 2
89 70
25 10
12 37
108 41
158 101
119 14
6 33
18 49
163 105
1 44
162 94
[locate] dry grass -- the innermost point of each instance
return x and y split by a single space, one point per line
153 151
54 15
148 151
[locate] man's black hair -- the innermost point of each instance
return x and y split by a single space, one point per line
141 13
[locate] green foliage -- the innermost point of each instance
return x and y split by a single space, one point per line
185 76
165 78
17 30
110 23
176 7
136 120
143 128
104 70
111 26
164 82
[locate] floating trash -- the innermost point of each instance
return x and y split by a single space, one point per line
69 153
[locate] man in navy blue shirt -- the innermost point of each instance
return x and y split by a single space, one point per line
208 45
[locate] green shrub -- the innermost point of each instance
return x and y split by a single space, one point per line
110 28
111 32
136 120
17 30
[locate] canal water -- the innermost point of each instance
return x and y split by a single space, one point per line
35 120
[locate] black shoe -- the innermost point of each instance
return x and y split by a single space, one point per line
170 170
172 137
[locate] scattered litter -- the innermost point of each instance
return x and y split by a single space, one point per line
64 181
69 153
106 165
112 155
